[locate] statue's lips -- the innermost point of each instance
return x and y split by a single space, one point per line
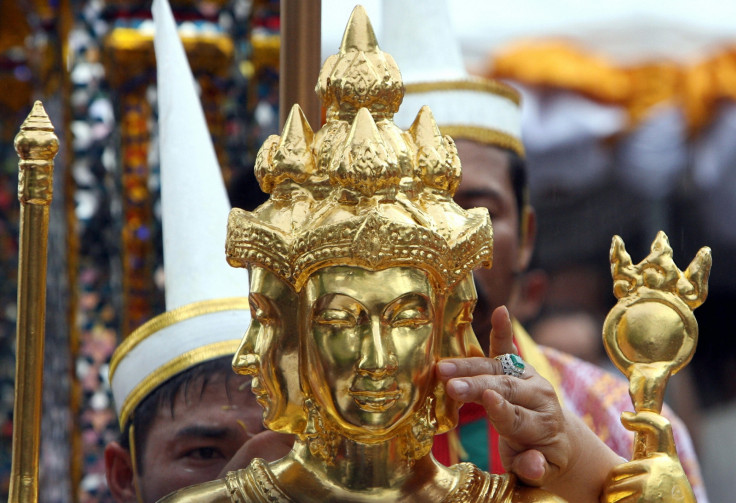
375 401
260 392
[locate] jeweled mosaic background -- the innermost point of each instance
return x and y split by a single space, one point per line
106 192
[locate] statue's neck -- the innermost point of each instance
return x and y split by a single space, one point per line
359 470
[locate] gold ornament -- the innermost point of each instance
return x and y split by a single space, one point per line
360 268
649 335
36 145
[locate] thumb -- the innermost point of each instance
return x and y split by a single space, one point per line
530 467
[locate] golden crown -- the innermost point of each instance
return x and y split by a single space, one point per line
360 191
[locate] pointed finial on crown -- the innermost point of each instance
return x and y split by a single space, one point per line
288 157
359 33
366 164
437 157
377 196
360 75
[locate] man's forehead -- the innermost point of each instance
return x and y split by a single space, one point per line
484 167
218 386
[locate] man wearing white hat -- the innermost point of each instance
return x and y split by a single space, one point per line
484 119
184 414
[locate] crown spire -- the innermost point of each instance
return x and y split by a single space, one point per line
359 33
293 159
364 192
366 164
360 75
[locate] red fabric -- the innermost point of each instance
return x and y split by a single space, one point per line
441 449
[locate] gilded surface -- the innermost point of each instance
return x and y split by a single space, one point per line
360 274
650 334
37 146
360 267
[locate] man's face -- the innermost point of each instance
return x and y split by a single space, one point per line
486 183
193 442
370 346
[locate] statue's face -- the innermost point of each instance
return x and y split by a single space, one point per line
458 341
458 337
269 351
371 344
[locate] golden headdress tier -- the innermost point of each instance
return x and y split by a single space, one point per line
360 75
360 191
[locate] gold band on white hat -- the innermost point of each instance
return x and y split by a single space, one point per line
171 343
476 109
419 35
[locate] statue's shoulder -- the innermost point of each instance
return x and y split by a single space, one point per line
478 486
255 484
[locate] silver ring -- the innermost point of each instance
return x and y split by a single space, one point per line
512 364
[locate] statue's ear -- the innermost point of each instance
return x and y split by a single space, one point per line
119 473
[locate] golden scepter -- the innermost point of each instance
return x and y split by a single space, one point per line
36 145
650 334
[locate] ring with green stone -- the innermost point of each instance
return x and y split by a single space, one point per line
512 364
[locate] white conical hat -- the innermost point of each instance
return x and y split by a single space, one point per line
206 299
420 38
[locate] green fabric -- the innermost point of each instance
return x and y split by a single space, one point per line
474 437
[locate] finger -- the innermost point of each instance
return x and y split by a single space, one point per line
509 419
619 497
628 469
530 466
502 333
476 366
533 393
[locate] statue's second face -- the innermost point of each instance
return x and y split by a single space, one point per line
458 341
269 351
371 344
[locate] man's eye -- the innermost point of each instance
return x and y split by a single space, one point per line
410 318
204 453
335 318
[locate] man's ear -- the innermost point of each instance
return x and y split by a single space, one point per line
119 473
528 227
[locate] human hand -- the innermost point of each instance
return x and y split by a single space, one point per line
268 445
535 442
540 443
657 477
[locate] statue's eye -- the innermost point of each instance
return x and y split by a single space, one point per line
336 318
466 315
411 317
260 311
262 317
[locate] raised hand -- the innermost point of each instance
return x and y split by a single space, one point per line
540 443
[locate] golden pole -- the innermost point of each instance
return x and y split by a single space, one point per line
300 59
36 145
